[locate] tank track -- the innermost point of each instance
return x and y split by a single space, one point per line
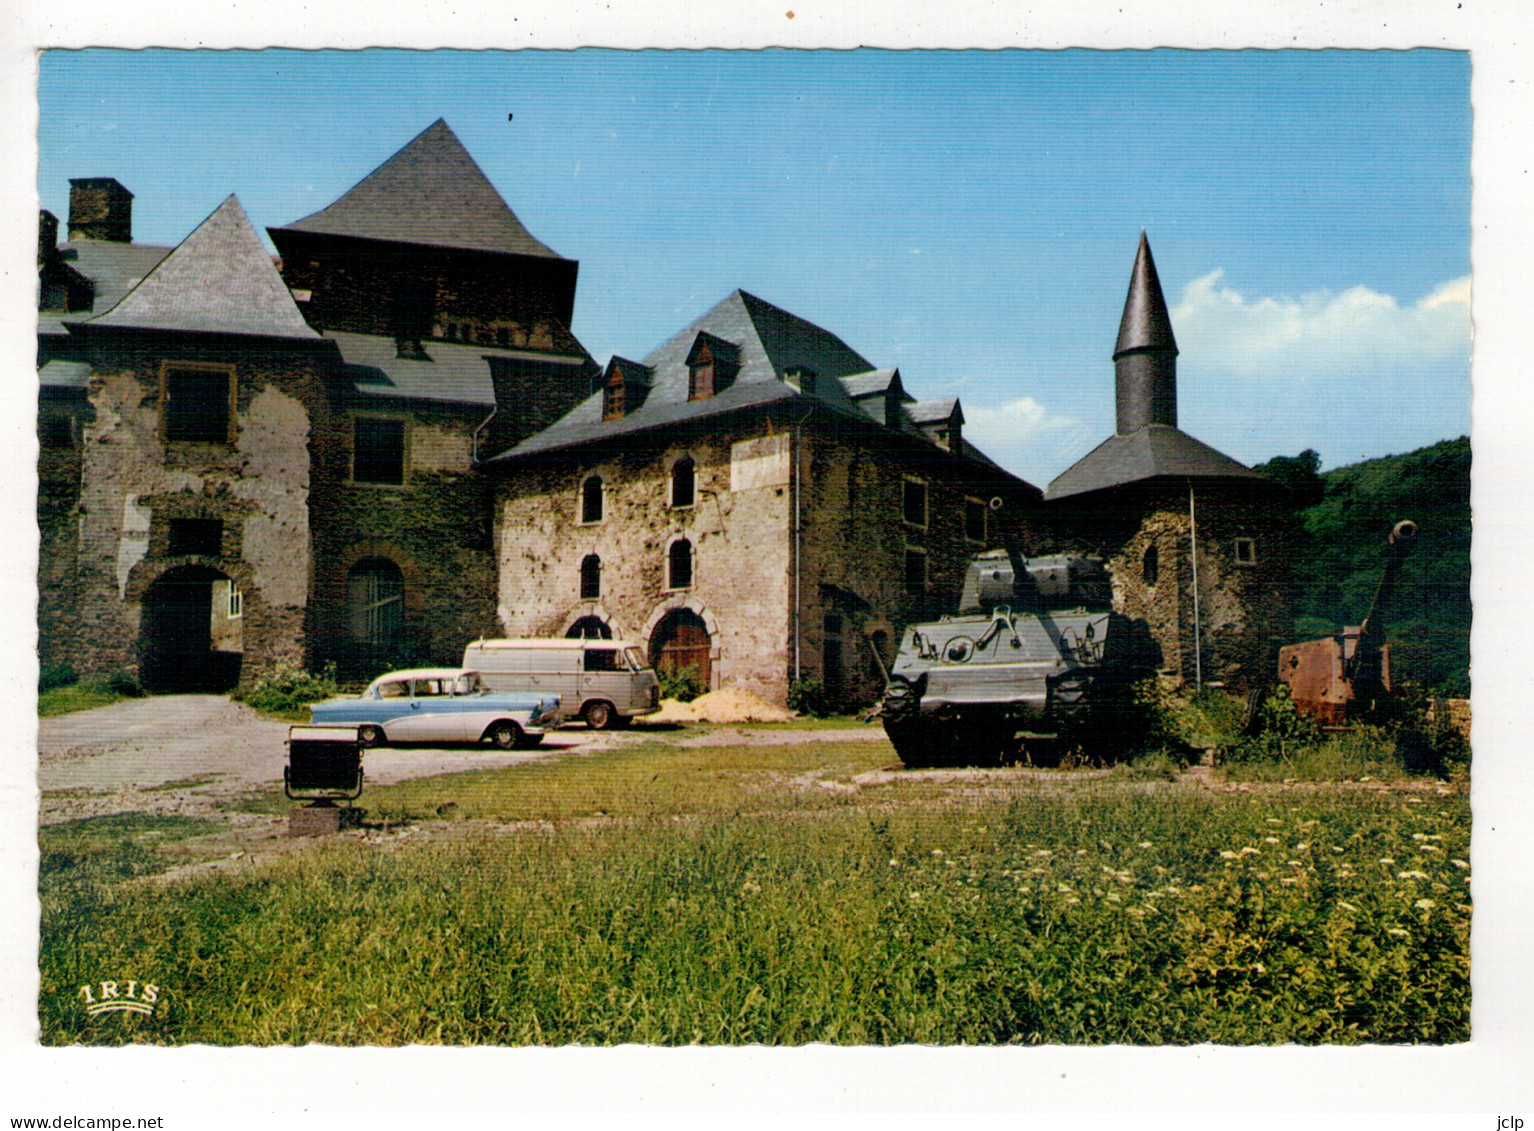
984 736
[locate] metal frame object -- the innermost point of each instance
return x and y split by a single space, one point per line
330 766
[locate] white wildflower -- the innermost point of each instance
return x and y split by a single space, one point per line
1424 905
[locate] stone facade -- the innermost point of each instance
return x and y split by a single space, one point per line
1244 599
849 584
130 494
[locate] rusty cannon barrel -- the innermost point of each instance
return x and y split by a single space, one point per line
1403 535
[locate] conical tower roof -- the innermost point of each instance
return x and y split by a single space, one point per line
431 192
1146 323
219 280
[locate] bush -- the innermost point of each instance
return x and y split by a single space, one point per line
1427 741
50 676
289 688
1174 720
807 696
683 685
120 683
1279 728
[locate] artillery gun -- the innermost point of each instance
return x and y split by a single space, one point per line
1034 655
1345 677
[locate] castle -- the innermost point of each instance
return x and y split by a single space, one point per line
389 443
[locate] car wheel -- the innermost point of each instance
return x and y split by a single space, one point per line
508 736
599 715
370 736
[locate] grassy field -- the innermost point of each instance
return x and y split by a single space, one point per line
734 894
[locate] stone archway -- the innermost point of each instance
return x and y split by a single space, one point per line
190 638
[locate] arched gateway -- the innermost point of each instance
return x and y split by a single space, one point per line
190 635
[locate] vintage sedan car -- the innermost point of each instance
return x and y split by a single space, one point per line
440 705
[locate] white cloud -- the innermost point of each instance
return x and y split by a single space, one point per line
1023 416
1358 332
1025 437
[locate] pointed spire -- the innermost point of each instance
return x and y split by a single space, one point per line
1145 356
219 280
1146 323
431 192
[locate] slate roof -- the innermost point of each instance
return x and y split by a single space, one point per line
933 412
58 374
1145 323
1154 453
771 342
219 280
874 383
456 374
113 268
431 192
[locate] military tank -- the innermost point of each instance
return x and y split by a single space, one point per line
1035 662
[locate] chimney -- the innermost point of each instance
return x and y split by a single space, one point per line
47 236
100 209
1145 356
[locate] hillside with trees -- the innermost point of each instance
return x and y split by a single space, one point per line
1347 513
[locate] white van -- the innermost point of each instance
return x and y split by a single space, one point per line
604 682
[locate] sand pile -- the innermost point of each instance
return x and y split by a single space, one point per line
727 705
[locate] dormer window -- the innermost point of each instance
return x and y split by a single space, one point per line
700 376
612 397
711 366
625 388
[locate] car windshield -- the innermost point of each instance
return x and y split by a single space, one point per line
636 661
468 684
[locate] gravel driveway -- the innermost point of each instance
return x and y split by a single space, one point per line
183 753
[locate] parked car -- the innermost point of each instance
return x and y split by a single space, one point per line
604 682
440 705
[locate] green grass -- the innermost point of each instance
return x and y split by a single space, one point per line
652 779
734 905
76 697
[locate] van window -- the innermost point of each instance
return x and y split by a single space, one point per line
602 660
636 661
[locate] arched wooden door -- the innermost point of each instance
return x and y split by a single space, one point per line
679 642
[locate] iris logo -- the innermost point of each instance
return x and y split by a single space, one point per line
120 997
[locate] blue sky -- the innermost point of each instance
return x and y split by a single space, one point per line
970 217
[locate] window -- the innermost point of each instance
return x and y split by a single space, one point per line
974 520
196 404
591 577
683 482
236 601
590 628
203 536
915 502
1246 551
915 570
679 565
601 660
591 499
378 450
700 376
612 399
375 601
1150 565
